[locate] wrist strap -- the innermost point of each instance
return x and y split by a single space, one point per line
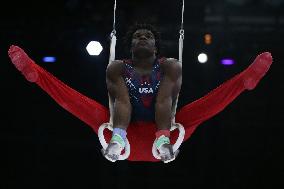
161 141
120 132
118 139
119 136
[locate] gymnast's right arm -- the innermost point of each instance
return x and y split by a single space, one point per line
119 93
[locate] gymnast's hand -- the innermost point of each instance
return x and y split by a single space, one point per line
167 154
112 152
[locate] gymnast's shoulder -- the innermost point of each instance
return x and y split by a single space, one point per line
171 65
115 68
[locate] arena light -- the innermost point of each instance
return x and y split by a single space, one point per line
207 39
227 61
202 58
49 59
94 48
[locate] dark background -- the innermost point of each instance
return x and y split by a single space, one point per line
43 146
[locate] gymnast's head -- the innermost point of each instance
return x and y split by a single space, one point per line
143 40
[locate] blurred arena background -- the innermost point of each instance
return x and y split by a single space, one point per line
43 146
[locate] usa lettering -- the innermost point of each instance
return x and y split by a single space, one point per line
146 90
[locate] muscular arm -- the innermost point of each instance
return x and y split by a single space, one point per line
168 92
119 94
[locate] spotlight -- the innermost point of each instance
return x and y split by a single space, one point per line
49 59
208 39
94 48
227 61
202 58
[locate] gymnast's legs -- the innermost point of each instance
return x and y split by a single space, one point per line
86 109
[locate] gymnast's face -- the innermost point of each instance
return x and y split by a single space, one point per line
143 43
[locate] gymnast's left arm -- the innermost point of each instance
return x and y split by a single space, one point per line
168 92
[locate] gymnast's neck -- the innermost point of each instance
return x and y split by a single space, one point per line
143 62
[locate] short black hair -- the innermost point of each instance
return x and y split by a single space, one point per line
137 26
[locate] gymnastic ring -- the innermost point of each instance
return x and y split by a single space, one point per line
176 145
105 144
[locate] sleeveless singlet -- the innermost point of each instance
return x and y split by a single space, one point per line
143 90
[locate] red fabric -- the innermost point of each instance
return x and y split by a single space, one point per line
166 133
141 135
